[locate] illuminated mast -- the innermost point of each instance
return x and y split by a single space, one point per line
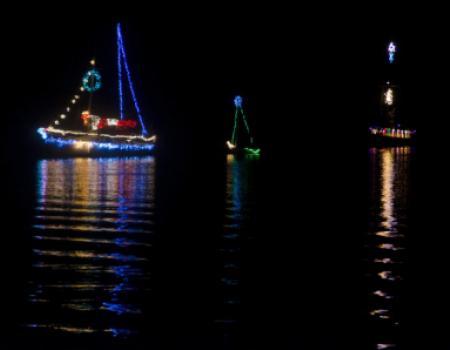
389 92
389 125
233 143
122 59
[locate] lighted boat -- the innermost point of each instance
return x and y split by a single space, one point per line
246 145
88 133
390 131
393 135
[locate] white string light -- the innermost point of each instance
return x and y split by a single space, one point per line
389 97
51 129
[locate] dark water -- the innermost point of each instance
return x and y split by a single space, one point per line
236 235
387 243
146 251
92 236
92 246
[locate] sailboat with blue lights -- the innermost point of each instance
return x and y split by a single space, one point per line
93 134
243 144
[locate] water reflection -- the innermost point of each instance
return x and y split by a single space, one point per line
388 227
92 239
241 176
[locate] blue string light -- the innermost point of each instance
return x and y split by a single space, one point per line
238 101
61 142
392 49
130 83
43 134
119 70
101 145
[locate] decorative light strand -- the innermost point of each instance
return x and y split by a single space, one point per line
233 135
245 123
52 130
230 145
252 151
92 80
130 83
238 103
389 97
396 133
87 145
119 69
392 49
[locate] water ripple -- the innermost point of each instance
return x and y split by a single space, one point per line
92 245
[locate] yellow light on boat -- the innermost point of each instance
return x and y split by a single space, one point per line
389 97
62 116
82 145
230 145
92 62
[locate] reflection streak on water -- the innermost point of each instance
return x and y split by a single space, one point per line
91 241
388 226
236 230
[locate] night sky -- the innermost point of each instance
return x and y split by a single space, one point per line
310 83
297 71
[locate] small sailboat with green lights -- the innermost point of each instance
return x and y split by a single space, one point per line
85 133
241 141
389 130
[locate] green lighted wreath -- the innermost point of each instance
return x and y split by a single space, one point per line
92 80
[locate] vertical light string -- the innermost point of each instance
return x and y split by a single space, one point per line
119 69
233 135
130 83
245 122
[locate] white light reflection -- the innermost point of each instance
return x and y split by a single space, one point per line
387 239
385 346
387 193
91 241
